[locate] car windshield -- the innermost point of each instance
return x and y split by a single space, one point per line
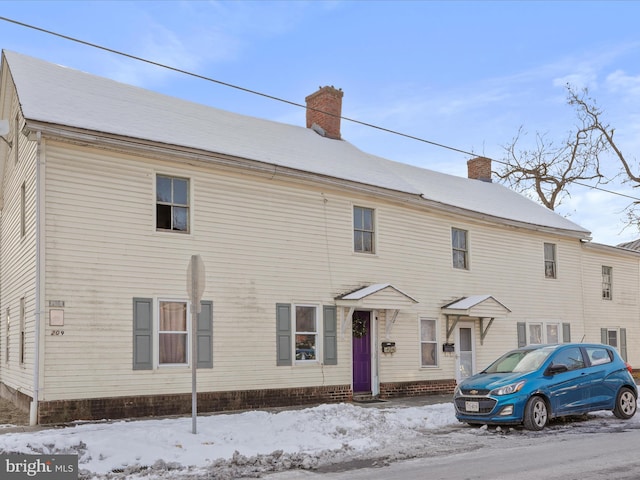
520 361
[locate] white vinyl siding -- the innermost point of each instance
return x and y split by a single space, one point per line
241 225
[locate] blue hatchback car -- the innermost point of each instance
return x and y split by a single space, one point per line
533 384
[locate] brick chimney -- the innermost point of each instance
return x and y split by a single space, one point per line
324 109
479 168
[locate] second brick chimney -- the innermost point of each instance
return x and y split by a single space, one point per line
324 109
479 168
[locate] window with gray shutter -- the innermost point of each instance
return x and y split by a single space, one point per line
330 340
142 333
522 334
205 335
283 334
566 332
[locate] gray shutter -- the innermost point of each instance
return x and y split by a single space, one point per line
330 340
522 334
142 333
604 338
623 343
283 334
205 335
566 332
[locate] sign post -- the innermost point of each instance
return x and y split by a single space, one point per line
195 289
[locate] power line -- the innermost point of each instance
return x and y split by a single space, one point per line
272 97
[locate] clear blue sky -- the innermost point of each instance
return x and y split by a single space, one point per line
459 73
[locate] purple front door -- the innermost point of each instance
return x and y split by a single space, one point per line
362 352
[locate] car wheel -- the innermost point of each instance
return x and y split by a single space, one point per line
625 404
535 414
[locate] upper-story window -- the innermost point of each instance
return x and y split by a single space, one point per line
607 277
460 248
550 260
363 230
172 203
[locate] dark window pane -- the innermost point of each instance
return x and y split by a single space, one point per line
180 191
173 348
367 219
357 218
163 217
305 319
180 218
163 189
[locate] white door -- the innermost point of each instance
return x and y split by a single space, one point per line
465 350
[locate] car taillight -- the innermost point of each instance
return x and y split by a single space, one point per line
629 367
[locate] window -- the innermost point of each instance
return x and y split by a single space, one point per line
535 333
571 357
543 332
306 332
22 334
552 333
168 334
550 260
23 210
172 204
607 277
363 230
299 326
460 249
598 356
173 333
428 342
617 338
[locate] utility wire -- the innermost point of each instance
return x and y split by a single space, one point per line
272 97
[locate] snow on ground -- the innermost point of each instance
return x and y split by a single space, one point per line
260 441
253 444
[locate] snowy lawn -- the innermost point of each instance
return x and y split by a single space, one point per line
258 441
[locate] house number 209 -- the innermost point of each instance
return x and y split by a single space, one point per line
57 332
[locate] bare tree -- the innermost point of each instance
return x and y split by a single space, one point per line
550 169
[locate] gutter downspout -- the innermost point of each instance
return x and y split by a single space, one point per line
33 412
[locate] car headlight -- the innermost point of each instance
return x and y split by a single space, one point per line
508 389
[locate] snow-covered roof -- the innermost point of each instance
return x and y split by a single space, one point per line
62 96
466 303
372 289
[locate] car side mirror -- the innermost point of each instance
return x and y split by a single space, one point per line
558 368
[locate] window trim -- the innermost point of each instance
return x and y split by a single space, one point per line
158 332
563 329
553 262
318 333
435 341
188 205
607 283
465 251
23 342
372 232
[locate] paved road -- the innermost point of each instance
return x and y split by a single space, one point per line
571 454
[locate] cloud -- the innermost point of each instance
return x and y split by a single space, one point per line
620 82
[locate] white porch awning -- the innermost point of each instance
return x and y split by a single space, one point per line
482 307
379 296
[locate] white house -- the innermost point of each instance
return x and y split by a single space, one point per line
330 273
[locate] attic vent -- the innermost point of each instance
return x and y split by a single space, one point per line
319 130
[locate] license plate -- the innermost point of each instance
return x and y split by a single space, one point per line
472 406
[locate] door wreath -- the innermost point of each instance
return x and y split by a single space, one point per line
359 327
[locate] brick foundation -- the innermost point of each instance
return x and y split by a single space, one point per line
60 411
413 389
